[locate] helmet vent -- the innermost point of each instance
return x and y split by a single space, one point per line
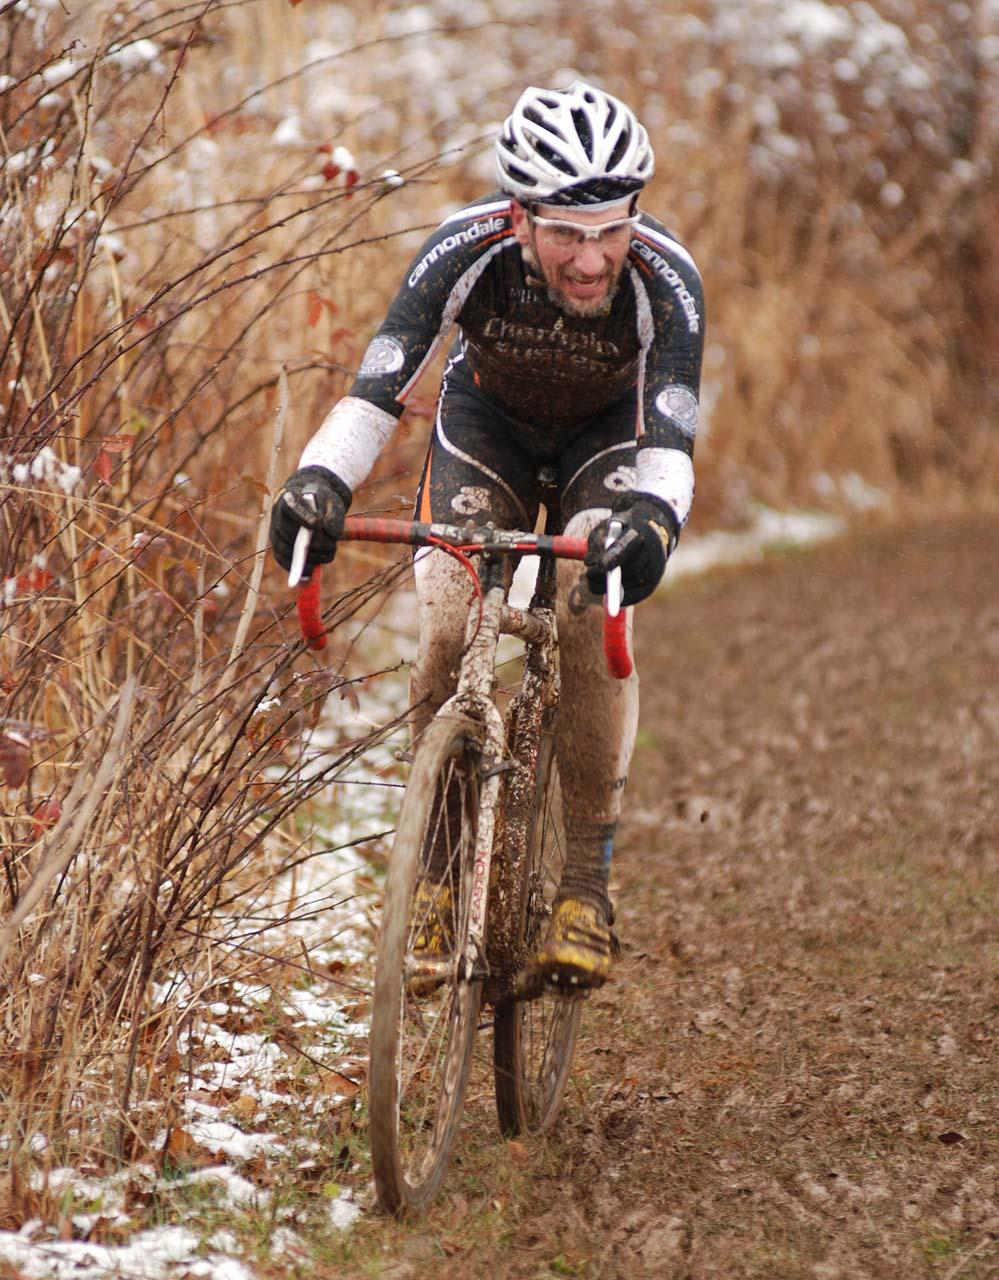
584 133
572 146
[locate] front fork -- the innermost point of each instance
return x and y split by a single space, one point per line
509 768
474 698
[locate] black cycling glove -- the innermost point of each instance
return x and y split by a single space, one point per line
291 510
648 539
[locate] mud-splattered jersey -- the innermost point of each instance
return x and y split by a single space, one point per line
547 370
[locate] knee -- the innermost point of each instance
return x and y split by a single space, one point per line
443 593
579 612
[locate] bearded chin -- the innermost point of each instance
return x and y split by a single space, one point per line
573 308
563 301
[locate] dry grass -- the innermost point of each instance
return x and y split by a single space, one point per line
148 786
166 264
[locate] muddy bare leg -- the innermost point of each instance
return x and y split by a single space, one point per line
595 732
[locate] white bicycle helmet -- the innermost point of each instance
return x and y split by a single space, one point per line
575 146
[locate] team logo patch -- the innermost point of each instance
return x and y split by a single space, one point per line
470 500
384 355
621 479
680 405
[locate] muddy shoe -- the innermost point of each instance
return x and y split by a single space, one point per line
430 956
579 946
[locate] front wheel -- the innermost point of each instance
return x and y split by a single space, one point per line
425 1007
534 1040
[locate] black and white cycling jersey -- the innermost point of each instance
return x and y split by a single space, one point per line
546 371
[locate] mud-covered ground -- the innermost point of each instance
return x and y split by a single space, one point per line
796 1069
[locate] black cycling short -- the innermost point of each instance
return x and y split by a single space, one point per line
484 466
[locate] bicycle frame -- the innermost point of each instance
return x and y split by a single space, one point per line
473 697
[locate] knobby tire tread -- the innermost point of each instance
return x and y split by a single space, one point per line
399 1189
523 1103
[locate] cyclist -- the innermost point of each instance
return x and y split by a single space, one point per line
580 324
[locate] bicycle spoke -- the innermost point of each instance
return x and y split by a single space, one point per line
534 1040
425 1013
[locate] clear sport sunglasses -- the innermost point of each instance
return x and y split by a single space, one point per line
568 234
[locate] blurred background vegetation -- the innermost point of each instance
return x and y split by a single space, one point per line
204 210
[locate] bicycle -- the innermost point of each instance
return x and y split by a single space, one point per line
477 859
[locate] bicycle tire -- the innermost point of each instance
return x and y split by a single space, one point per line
421 1040
534 1039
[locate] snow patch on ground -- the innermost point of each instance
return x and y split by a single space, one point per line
770 529
150 1255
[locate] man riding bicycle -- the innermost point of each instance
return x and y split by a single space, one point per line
580 327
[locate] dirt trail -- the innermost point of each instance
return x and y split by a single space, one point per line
796 1071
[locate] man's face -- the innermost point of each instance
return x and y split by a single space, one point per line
579 252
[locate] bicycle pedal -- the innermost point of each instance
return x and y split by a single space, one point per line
490 768
425 975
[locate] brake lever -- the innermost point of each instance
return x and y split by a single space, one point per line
300 551
298 556
614 531
616 651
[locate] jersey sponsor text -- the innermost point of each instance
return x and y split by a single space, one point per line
486 227
515 335
675 281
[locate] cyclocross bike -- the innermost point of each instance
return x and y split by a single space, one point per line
475 865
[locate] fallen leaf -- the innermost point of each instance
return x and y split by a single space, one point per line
245 1107
179 1148
138 1195
517 1152
207 1097
108 1231
951 1138
341 1086
162 1080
